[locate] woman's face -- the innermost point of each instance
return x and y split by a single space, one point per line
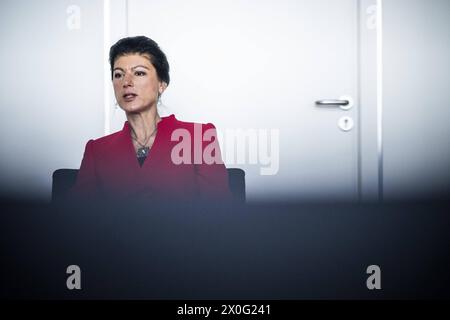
136 84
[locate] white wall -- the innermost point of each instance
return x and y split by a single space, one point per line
416 130
51 92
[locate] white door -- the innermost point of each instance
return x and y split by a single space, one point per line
260 66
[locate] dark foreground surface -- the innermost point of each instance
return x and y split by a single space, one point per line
266 251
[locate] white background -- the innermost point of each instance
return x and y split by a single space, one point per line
52 95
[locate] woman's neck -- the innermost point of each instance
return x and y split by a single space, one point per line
143 124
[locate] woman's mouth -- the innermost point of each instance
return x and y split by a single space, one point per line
128 97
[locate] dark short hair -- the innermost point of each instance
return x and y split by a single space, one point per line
141 45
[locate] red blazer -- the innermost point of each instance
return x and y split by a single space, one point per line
110 168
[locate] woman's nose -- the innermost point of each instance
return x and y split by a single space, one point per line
127 80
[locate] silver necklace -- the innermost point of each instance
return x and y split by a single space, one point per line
143 150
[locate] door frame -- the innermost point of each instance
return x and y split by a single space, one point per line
369 88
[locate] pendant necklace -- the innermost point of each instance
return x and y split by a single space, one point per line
142 152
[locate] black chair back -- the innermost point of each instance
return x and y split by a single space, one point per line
64 179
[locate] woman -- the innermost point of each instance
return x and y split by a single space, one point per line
152 157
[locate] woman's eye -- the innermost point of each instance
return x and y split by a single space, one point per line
117 75
140 73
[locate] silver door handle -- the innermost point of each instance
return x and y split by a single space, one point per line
332 102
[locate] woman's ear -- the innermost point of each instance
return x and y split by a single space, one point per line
162 87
